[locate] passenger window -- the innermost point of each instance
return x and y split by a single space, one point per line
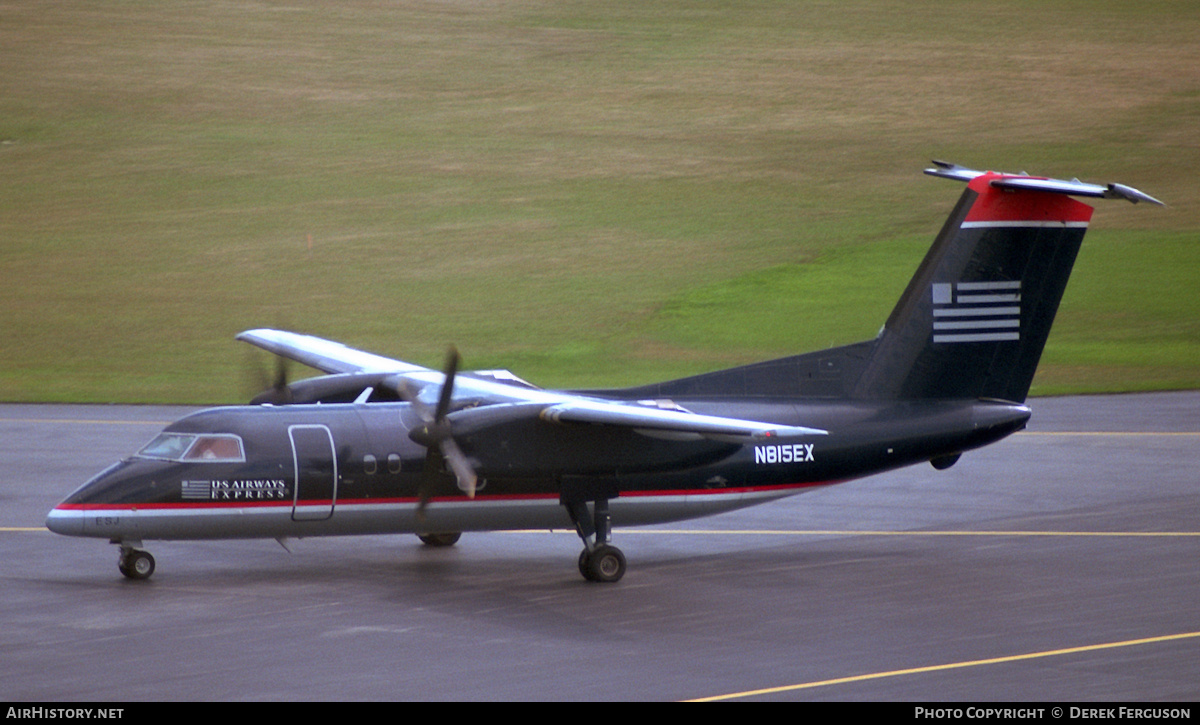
393 463
370 465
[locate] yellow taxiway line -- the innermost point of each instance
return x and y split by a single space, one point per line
851 532
949 666
1109 433
85 421
814 532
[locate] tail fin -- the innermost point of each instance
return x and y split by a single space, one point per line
975 317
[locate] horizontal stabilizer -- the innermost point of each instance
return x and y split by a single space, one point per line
1075 187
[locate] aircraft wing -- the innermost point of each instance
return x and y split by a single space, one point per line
550 406
644 418
324 355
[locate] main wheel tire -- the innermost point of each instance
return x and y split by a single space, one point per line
604 564
137 564
442 539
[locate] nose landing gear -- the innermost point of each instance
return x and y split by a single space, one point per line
133 562
439 540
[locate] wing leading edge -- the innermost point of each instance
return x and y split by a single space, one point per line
324 355
549 406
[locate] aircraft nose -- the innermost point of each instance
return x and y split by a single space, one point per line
68 518
64 521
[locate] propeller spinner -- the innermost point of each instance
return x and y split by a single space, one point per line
436 435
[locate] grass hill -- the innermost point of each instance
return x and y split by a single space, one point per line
591 194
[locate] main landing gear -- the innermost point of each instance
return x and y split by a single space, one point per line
604 563
599 561
134 562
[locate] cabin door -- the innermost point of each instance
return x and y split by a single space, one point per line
315 465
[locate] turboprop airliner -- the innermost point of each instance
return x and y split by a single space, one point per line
380 446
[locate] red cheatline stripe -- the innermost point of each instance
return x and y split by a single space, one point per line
413 499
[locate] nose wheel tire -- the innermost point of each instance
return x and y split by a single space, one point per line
136 564
443 539
605 564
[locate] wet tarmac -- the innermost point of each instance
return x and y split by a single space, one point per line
1062 564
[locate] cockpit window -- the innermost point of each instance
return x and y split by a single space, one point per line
221 447
215 448
167 446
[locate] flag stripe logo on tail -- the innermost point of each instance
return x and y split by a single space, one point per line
976 312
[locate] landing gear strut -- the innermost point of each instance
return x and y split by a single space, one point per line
133 562
599 561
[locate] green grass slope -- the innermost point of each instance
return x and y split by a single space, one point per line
590 194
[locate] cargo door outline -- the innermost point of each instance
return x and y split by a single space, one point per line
314 463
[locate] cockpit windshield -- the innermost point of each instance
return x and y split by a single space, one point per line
214 448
